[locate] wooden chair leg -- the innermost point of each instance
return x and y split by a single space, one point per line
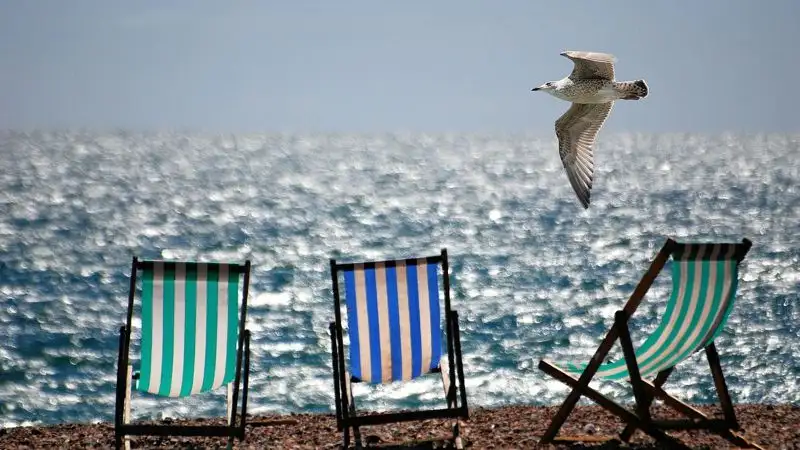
450 398
246 381
229 406
126 409
561 416
661 378
122 385
642 405
337 378
352 409
722 387
462 388
583 382
457 441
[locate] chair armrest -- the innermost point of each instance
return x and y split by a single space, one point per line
247 347
338 389
459 368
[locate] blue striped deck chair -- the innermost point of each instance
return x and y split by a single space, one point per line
394 318
704 282
193 341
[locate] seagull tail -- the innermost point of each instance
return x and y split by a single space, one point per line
633 90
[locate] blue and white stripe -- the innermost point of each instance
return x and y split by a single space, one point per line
394 319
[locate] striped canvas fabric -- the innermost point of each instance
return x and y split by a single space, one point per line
393 320
190 314
704 282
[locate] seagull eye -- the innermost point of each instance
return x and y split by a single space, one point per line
549 84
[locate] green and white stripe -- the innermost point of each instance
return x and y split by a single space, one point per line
704 281
190 316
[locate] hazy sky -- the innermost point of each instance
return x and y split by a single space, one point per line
367 65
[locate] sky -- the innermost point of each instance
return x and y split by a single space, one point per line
376 66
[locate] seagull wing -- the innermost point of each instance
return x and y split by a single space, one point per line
591 65
576 131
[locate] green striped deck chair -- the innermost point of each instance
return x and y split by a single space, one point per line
395 334
704 283
193 340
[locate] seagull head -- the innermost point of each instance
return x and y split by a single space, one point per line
549 86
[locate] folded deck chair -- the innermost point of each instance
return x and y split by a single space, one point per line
193 340
395 330
704 282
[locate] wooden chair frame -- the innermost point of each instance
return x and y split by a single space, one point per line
453 380
232 430
646 392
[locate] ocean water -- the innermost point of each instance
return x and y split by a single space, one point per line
533 274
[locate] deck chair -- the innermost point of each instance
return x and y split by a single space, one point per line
193 340
704 282
394 327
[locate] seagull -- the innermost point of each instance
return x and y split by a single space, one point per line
592 91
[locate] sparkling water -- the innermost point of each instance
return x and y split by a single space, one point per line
533 274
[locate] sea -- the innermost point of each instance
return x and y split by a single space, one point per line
534 275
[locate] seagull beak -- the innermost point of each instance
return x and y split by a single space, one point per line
536 89
539 88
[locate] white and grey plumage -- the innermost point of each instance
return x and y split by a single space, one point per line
592 91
